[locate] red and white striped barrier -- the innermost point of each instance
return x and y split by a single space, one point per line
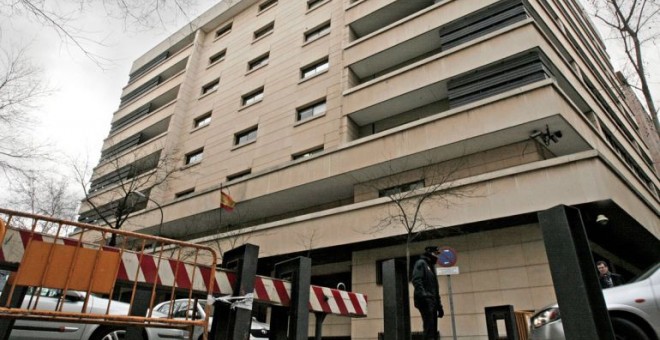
167 272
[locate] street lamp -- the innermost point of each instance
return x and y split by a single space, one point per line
160 226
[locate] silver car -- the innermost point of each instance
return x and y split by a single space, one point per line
72 302
186 308
634 310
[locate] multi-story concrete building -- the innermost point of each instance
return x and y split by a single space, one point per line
317 116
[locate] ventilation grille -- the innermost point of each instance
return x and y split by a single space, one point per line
497 78
482 22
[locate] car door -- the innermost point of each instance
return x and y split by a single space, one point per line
48 330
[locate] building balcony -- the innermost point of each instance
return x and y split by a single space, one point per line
426 82
140 123
163 96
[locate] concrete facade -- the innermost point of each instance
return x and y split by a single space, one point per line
307 113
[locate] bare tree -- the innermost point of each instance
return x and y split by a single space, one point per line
63 17
125 188
21 88
412 192
635 23
44 193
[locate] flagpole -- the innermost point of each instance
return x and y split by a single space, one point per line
220 219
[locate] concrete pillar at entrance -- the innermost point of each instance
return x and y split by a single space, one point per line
583 310
396 305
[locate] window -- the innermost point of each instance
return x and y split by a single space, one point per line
317 32
217 57
210 87
266 5
239 175
184 193
314 69
195 157
245 136
223 30
262 32
258 62
253 97
312 110
202 120
401 188
308 153
311 4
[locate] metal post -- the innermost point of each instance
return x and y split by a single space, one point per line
396 305
318 329
17 299
139 307
451 306
583 310
505 313
234 324
292 323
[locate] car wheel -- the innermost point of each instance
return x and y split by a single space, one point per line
109 334
627 330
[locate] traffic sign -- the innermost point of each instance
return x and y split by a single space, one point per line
447 271
447 257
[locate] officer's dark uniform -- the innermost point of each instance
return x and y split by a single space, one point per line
427 293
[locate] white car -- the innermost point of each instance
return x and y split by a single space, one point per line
73 301
634 310
184 307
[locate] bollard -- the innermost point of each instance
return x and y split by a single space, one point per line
234 323
292 323
396 303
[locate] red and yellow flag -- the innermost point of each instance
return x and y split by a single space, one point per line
226 202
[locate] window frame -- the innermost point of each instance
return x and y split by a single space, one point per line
264 31
401 188
202 120
259 62
313 69
266 5
218 57
312 4
311 106
224 30
210 87
246 133
191 157
184 193
317 32
239 174
248 99
308 153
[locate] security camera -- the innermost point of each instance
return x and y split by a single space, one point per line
341 286
602 220
535 134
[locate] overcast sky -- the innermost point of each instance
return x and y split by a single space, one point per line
76 117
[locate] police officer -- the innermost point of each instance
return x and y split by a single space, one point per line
427 292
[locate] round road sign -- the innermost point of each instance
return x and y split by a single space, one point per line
447 257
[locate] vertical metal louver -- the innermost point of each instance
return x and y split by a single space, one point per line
497 78
131 117
122 146
140 90
148 66
481 22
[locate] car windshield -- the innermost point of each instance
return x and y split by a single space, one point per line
202 304
645 275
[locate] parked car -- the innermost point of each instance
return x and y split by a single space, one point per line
50 330
184 307
634 310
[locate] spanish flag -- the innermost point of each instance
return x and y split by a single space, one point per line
226 202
